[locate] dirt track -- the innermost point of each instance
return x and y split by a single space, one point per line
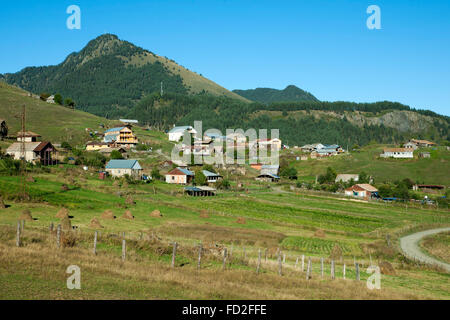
409 245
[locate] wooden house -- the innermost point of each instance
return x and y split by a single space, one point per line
179 176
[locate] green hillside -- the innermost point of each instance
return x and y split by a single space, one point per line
267 95
429 171
110 75
55 123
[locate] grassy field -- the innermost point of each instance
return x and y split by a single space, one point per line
437 246
430 171
55 123
297 223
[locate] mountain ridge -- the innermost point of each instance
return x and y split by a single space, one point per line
269 95
110 73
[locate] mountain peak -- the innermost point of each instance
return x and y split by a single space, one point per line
268 95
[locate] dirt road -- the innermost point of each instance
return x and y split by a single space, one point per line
410 247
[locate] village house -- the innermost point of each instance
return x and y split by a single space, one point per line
345 177
270 169
211 177
34 152
424 155
176 133
423 143
27 136
365 191
128 122
267 143
96 145
429 188
397 153
179 176
410 145
312 147
122 136
120 168
267 177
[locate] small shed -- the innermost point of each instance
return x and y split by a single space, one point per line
268 177
200 191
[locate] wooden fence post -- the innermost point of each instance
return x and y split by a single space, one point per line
303 263
321 267
50 227
296 263
22 226
174 253
58 235
95 243
357 271
308 270
199 256
265 255
280 272
388 239
259 261
224 258
332 270
343 272
284 258
18 234
124 249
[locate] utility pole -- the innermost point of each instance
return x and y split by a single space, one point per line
23 171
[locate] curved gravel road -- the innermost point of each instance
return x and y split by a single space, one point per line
410 248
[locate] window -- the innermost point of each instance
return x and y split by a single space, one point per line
173 178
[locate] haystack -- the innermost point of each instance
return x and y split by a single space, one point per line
128 215
30 179
26 215
62 213
108 214
95 224
204 214
336 252
65 223
241 220
387 268
319 233
156 214
130 201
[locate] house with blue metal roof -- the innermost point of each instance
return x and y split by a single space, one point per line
120 168
211 177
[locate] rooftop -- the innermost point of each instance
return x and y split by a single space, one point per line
123 164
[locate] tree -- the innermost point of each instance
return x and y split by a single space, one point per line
363 177
290 172
3 130
385 191
200 178
156 174
68 102
223 184
115 154
58 99
66 145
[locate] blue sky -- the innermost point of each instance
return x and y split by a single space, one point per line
322 46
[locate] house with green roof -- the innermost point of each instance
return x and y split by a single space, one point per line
120 168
